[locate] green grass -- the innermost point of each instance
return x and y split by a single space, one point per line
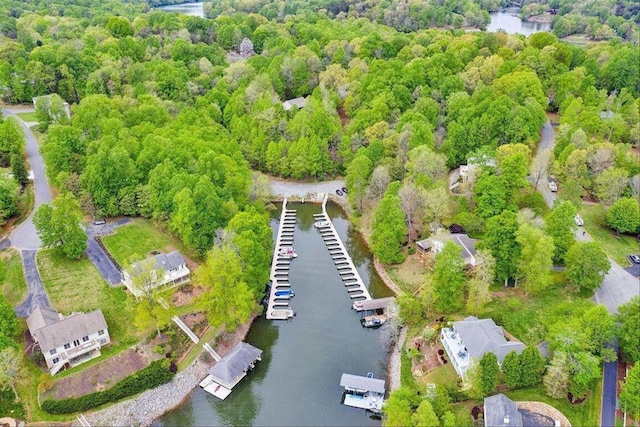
28 117
77 286
618 248
9 407
584 414
445 374
527 317
134 242
12 281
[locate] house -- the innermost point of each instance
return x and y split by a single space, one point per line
47 99
162 269
468 171
435 244
229 370
500 411
471 338
68 341
298 102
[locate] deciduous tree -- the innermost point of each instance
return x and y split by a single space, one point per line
556 380
630 392
561 226
587 264
500 240
624 215
424 416
11 369
389 227
449 278
629 330
60 224
478 292
535 261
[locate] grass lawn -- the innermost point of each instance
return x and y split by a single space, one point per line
137 240
584 414
527 316
12 281
77 286
9 407
618 248
409 275
445 374
28 117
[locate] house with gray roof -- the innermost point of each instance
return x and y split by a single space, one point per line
159 270
298 102
232 368
500 411
435 243
471 338
68 341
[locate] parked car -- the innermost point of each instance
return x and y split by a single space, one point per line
99 222
578 220
553 186
635 259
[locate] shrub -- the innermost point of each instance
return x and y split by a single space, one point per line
157 373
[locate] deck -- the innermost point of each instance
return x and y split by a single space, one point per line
354 285
367 401
277 307
212 387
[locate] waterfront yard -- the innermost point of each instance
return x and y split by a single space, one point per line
12 282
75 285
137 240
411 274
28 116
617 247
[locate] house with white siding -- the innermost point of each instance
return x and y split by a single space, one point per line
162 270
68 341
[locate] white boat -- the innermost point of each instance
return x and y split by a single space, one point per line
322 224
287 252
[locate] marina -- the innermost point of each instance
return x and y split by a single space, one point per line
280 289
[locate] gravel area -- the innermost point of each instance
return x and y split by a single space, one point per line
393 370
288 188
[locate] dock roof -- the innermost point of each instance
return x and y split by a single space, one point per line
235 362
377 303
362 383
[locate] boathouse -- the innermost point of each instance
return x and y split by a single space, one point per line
232 368
363 392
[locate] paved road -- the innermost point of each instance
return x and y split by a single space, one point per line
37 296
24 236
102 262
618 285
609 383
544 150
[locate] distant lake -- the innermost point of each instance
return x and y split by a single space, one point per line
189 9
510 22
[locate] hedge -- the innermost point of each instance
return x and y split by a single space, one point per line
155 374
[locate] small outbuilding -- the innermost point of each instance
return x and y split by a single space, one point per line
435 243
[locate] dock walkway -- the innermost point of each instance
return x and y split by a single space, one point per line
278 307
346 269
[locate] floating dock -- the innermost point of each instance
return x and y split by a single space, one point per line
278 306
356 288
363 392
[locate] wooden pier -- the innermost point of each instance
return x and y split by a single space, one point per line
356 288
278 307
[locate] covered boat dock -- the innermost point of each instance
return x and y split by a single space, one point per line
232 368
363 392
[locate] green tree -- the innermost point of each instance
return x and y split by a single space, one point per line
624 215
8 198
478 287
535 258
488 372
629 330
411 311
389 227
424 416
491 196
556 380
60 225
149 311
397 409
449 278
630 392
599 329
587 264
561 226
17 168
584 369
449 419
227 299
357 179
500 240
532 365
512 370
11 369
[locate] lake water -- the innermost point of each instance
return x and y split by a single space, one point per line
298 380
510 22
507 20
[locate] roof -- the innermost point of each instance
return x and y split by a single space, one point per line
164 262
298 102
41 317
362 383
467 244
235 362
606 114
68 329
482 335
500 411
375 304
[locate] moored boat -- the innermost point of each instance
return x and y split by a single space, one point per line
322 224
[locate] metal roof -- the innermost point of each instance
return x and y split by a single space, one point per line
235 362
362 383
375 304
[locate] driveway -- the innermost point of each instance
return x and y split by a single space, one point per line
618 286
609 383
37 296
98 256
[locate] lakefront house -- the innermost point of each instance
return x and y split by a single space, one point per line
68 341
164 270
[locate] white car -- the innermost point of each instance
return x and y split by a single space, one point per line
578 220
553 186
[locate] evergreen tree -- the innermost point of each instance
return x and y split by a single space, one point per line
512 370
488 372
531 366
